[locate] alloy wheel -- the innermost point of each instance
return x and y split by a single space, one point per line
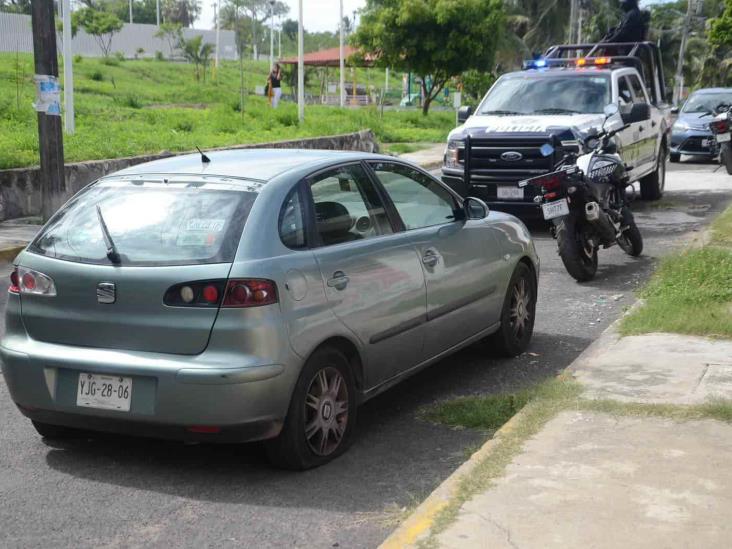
326 411
520 309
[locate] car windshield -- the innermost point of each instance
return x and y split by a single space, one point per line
706 102
560 94
149 223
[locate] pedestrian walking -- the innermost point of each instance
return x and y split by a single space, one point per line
274 88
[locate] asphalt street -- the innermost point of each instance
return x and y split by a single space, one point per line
121 492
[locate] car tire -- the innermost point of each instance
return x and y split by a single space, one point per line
319 425
674 158
56 432
574 257
517 315
652 185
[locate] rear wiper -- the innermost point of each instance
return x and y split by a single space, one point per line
112 253
556 110
499 112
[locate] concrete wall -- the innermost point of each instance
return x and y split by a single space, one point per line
20 188
16 35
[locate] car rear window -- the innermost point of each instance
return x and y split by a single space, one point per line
150 222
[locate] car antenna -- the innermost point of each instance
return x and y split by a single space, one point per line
205 159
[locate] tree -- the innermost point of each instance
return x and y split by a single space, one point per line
720 29
101 25
183 12
289 29
257 12
16 6
143 11
172 33
436 39
198 53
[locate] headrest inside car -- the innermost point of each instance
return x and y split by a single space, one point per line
334 221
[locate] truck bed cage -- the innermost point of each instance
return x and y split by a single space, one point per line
614 49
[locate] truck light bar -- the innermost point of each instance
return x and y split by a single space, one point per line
567 62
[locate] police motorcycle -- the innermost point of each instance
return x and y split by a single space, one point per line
585 197
720 127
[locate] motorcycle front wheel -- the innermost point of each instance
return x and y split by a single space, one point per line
631 240
578 255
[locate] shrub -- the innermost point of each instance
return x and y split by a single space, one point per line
159 56
287 117
184 126
130 101
78 58
119 55
97 75
110 61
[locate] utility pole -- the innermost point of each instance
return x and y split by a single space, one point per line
341 54
679 79
271 34
68 70
279 41
130 12
217 7
300 65
50 138
157 12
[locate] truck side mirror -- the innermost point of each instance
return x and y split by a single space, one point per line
640 112
463 114
675 110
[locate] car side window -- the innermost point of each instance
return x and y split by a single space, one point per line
347 206
624 93
639 94
292 226
420 201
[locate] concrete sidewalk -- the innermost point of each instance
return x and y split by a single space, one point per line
594 479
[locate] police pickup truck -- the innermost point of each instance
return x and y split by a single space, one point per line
559 99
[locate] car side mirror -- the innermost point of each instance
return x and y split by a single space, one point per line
675 110
475 208
639 113
464 113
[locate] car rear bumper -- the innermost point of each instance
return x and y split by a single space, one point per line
170 396
692 143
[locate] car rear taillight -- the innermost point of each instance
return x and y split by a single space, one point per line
720 126
212 293
28 281
250 293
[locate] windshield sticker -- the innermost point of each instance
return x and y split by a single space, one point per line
196 238
210 225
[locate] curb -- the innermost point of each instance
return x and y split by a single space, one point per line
419 524
8 254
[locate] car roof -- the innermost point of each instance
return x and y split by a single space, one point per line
251 164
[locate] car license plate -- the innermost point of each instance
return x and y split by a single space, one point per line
509 193
104 391
722 137
554 209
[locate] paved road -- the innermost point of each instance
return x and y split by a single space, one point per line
122 492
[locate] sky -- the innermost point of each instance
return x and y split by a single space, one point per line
318 15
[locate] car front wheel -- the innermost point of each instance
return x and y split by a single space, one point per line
322 414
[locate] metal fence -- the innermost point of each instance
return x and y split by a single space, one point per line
16 35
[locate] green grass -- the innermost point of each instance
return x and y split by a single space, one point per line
721 229
133 107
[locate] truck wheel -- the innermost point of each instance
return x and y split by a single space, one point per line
674 158
322 416
651 186
579 257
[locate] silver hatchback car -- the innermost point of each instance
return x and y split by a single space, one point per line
262 295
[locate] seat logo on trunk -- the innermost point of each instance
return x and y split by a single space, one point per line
106 292
512 156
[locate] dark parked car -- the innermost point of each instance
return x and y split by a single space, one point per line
690 133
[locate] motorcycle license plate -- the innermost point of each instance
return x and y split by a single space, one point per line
723 137
554 209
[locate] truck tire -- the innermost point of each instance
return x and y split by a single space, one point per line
580 264
651 186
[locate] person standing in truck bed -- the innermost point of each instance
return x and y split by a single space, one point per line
633 26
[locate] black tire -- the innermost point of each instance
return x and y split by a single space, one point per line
572 249
631 241
674 158
57 432
517 319
292 449
652 185
726 155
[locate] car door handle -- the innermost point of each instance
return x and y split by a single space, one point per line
339 281
430 258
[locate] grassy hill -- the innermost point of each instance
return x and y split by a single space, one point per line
133 107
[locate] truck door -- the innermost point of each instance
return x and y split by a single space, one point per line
647 129
629 137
